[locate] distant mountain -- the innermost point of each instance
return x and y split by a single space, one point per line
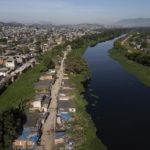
15 24
137 22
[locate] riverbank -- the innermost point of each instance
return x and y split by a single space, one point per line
85 130
141 72
79 74
121 104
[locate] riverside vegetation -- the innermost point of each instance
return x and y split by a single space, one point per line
85 130
135 62
13 99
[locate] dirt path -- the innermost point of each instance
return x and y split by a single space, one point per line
47 139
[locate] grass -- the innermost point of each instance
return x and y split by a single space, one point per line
141 72
20 89
86 129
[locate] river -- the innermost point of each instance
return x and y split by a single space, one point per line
118 103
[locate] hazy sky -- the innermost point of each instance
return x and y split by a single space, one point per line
73 11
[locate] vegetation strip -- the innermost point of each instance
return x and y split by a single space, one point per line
142 72
84 129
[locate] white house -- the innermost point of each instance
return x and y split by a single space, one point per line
37 104
19 59
10 63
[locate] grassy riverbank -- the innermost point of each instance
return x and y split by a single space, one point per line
141 72
84 129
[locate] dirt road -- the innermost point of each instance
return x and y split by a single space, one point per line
47 139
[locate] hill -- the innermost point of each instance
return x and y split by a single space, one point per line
137 22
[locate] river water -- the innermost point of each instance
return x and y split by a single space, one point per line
118 103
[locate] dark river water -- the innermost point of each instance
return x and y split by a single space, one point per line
121 107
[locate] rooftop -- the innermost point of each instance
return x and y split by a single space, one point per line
66 82
46 84
65 91
66 104
33 119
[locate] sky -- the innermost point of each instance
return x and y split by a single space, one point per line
72 11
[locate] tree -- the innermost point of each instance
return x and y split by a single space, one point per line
75 64
11 125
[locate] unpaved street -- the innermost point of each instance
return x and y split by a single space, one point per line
47 139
